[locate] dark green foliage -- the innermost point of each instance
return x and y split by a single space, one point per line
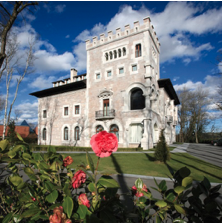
11 134
76 148
162 153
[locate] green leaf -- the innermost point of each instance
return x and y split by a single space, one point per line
66 189
162 185
139 183
215 189
171 197
90 162
16 180
92 187
184 172
17 218
30 212
206 183
43 166
178 220
7 218
179 189
37 157
187 181
82 211
26 156
19 137
179 209
161 203
28 170
68 206
142 199
11 154
52 196
158 220
49 186
3 144
107 181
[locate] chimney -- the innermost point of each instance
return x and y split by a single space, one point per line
73 73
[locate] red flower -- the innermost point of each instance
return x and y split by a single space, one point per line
33 198
134 190
104 143
67 161
57 216
138 192
83 200
78 179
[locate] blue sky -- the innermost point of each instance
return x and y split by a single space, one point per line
189 33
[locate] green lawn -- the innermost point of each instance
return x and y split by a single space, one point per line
144 164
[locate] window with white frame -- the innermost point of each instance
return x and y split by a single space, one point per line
134 67
66 133
44 114
44 134
109 73
121 70
98 76
77 109
76 133
66 111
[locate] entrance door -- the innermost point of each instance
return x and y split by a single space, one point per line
105 107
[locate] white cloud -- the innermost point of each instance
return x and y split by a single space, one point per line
171 28
67 36
42 82
47 61
176 78
60 8
28 112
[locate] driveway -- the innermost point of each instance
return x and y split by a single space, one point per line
206 152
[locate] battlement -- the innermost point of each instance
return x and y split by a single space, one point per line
137 28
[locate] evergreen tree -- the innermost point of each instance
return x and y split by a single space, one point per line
162 153
11 135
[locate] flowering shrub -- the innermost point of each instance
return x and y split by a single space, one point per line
43 188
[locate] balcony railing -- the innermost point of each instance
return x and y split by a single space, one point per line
169 118
105 114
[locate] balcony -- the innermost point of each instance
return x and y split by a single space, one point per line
169 118
105 114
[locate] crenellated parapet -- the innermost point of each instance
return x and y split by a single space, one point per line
137 28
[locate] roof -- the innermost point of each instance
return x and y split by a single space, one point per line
167 85
60 89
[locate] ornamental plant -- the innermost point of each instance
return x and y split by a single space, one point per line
43 188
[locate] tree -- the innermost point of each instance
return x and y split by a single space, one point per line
2 103
14 65
11 134
162 153
8 17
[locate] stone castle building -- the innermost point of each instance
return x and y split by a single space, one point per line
121 93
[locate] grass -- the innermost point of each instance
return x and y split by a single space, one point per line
144 164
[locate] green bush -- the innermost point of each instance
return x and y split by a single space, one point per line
76 148
162 153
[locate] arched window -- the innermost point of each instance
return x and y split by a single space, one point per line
115 54
76 133
119 52
135 133
66 133
111 55
44 134
137 100
106 56
99 128
124 51
115 130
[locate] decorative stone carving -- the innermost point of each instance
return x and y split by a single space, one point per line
105 94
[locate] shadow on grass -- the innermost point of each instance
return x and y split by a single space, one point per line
150 158
198 160
123 184
194 167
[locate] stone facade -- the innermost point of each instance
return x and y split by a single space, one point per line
121 93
